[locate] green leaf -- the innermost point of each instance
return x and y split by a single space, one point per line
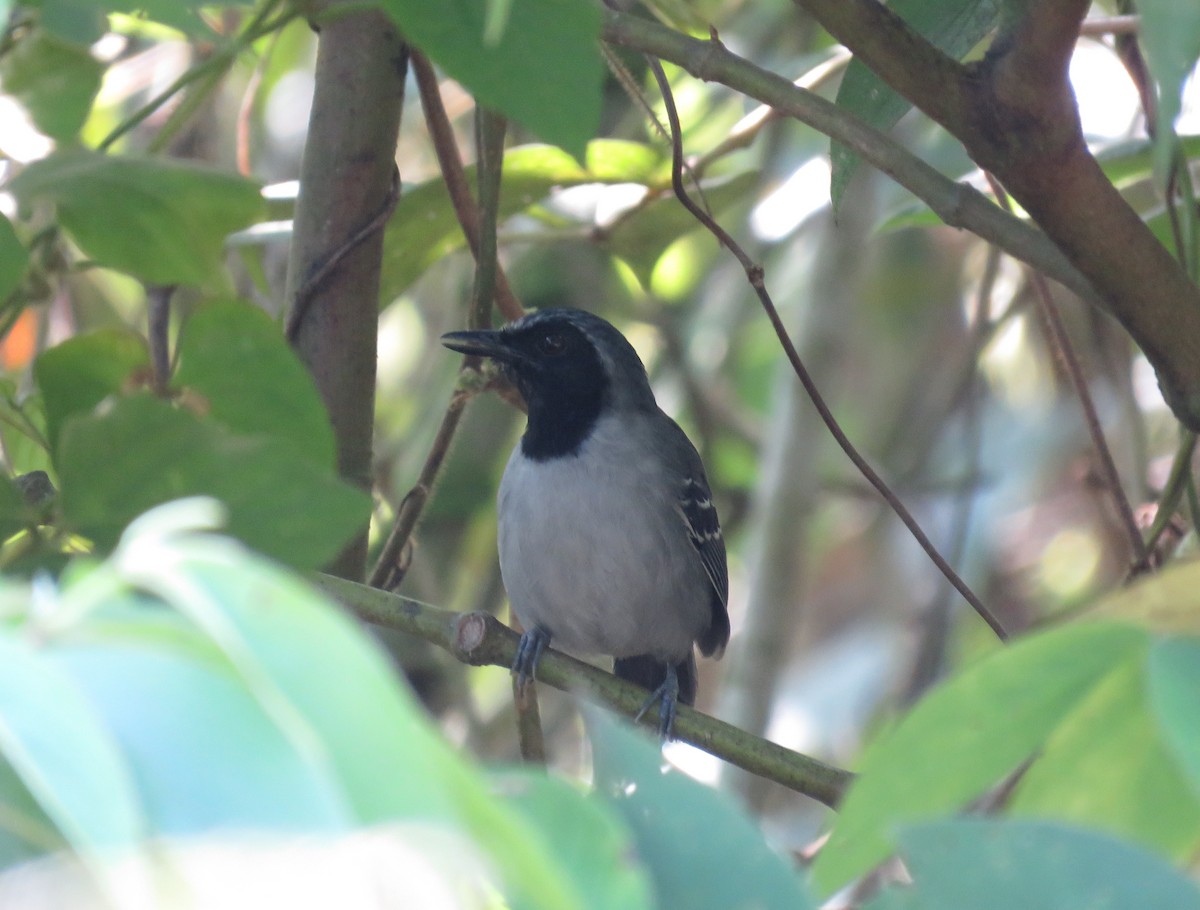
1170 37
23 430
81 22
424 228
54 79
1107 767
53 737
701 849
142 452
1001 865
320 677
586 838
233 354
203 752
952 26
14 259
1174 684
545 72
965 736
173 216
78 374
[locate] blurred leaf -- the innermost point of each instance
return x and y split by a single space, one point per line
201 749
1174 686
14 513
183 15
78 374
84 21
1170 37
23 430
952 26
142 452
424 228
643 236
1000 865
55 80
14 259
545 73
965 735
81 22
1167 601
52 736
319 676
1126 162
27 831
586 838
1107 767
701 849
173 216
234 355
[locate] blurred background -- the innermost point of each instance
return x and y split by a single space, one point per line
926 343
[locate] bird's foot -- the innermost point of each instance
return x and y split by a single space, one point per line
666 696
529 654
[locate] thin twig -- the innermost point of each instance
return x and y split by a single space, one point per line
1060 343
221 58
442 135
489 146
754 274
388 572
930 653
158 333
1111 25
530 738
246 108
479 639
957 204
746 130
1173 490
304 296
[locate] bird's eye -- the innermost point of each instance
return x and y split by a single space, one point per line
552 344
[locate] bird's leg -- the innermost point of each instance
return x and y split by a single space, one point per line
665 696
529 652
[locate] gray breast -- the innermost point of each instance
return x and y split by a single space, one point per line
593 548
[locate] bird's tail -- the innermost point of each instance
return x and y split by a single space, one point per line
649 672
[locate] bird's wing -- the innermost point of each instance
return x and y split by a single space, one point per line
698 515
704 530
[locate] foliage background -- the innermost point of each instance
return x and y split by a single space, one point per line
929 345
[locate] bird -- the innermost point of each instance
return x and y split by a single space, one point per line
608 538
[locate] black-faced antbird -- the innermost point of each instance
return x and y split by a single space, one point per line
609 540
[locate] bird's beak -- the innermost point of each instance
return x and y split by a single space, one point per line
482 344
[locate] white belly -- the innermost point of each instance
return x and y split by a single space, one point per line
601 560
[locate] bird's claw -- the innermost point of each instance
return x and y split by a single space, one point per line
666 696
529 654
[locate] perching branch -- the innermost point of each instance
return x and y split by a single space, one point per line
479 639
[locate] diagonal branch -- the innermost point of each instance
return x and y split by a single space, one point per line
1015 113
956 204
479 639
756 278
